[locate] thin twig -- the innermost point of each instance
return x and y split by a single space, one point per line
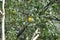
20 32
52 18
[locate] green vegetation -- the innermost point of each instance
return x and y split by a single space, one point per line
45 17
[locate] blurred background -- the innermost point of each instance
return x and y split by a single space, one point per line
43 15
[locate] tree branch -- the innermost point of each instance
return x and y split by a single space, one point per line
35 34
3 20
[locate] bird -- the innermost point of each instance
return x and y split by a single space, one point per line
30 19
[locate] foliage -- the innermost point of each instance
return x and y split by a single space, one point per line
17 13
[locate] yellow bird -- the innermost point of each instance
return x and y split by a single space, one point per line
30 19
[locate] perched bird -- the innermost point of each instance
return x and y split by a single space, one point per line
30 19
